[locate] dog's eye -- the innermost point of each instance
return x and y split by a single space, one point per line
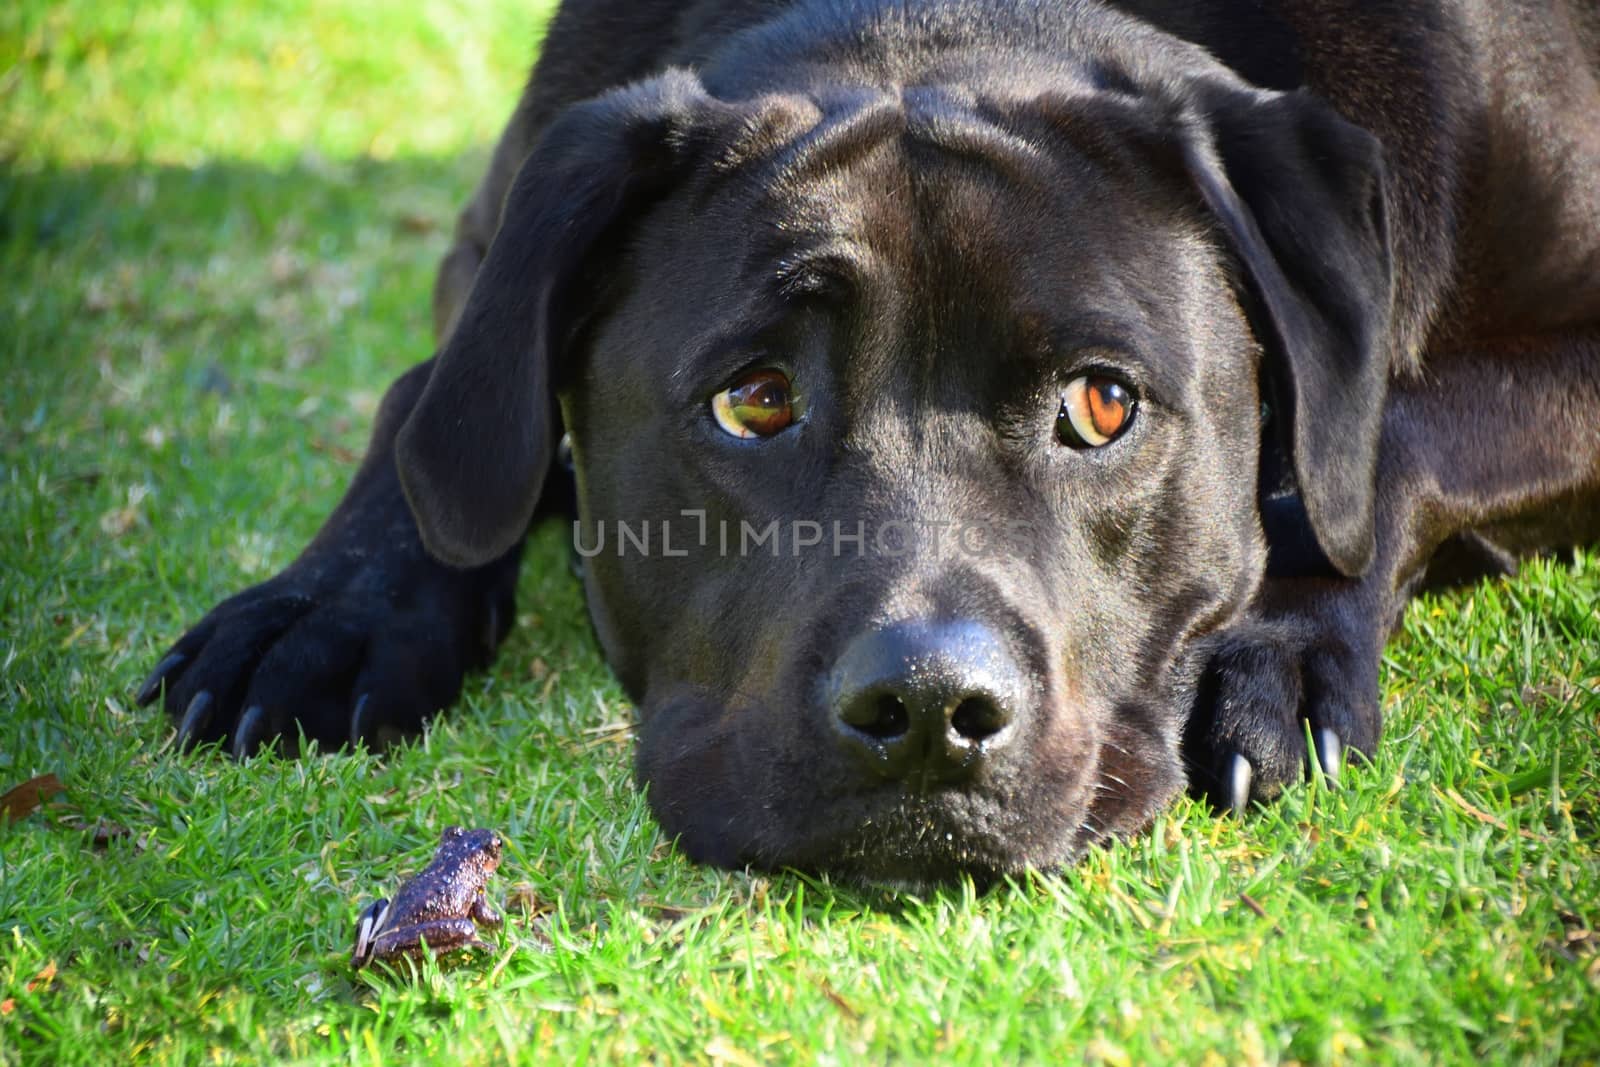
757 405
1094 411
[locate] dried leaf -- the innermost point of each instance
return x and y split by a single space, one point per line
1482 816
46 975
839 1002
337 451
105 831
416 222
20 802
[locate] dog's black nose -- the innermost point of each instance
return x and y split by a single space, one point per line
925 702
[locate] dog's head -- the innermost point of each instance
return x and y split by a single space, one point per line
919 436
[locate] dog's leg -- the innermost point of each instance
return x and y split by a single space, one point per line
359 639
365 635
1495 450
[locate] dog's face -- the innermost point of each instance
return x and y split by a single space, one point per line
927 315
917 457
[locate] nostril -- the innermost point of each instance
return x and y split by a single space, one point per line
978 718
883 716
927 703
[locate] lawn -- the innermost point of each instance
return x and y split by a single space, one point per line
218 226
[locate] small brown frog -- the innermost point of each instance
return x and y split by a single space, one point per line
442 906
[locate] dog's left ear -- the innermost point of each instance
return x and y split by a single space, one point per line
1299 193
474 452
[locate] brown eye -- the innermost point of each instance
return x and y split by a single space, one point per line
1094 410
757 405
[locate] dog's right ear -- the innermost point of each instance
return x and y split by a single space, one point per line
473 454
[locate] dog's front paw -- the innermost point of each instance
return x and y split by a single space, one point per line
348 647
1268 687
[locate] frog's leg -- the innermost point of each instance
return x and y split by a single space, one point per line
483 913
441 935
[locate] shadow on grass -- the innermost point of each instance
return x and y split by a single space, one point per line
158 206
191 358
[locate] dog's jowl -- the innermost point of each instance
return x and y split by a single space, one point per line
977 421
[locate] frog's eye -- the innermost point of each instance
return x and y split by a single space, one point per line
454 833
1095 410
758 405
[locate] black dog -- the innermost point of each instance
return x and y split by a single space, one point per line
985 416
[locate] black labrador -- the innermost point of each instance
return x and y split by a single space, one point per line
983 418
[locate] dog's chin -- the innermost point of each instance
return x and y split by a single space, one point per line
919 843
884 838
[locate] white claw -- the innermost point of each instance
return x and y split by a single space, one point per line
368 926
1239 775
1330 753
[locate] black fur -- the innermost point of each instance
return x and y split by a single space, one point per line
1345 260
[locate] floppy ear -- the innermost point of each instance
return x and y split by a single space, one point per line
1300 196
473 454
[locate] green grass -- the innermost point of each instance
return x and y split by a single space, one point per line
220 219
